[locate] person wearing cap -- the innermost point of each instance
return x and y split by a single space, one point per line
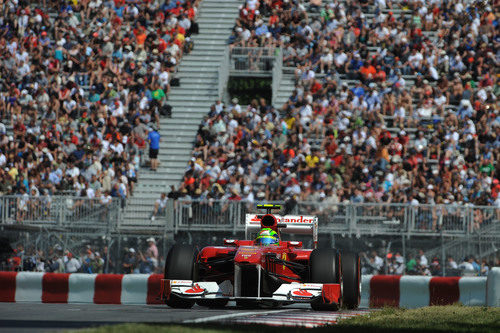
154 147
129 262
152 250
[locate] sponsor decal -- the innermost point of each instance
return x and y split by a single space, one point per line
196 290
180 282
300 293
286 219
311 285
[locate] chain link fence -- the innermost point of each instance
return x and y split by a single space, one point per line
53 226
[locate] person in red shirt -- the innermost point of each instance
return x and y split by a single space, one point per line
367 72
331 147
403 138
316 86
380 75
235 195
495 189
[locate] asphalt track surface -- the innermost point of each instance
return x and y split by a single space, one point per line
31 317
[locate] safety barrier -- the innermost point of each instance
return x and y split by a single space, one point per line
376 291
418 291
79 288
66 211
493 287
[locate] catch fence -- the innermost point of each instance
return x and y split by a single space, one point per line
253 59
346 218
72 223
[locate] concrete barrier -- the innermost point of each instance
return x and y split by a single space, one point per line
376 291
29 287
81 288
493 287
134 289
414 291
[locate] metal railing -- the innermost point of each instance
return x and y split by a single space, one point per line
223 73
226 215
277 74
60 211
253 59
346 218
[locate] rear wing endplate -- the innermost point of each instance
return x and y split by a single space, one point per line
295 224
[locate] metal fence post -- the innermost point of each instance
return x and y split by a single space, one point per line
61 210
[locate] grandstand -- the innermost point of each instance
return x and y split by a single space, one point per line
382 119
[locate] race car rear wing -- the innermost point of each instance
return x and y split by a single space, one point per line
288 224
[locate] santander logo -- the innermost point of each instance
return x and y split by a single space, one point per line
301 293
195 290
288 219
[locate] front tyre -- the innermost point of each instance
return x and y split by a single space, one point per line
181 265
324 265
351 278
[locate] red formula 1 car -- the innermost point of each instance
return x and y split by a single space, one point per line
252 275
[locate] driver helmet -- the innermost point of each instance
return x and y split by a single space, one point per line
267 236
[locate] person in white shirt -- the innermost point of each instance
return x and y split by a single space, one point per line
164 76
160 206
423 259
235 106
72 264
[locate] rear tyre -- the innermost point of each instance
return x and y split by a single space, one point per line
324 265
212 303
181 265
351 278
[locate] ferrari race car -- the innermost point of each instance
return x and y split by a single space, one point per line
260 272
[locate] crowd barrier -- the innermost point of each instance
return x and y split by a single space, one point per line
493 287
417 291
376 291
79 288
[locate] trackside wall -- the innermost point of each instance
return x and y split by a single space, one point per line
376 291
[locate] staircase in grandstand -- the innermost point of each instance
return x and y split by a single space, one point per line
483 243
198 74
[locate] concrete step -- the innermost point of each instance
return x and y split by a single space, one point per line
192 115
188 77
192 96
198 74
191 104
198 86
194 66
179 145
187 126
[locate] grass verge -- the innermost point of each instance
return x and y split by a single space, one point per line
452 318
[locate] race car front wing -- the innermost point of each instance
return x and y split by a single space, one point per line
294 292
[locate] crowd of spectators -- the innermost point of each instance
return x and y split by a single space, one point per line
387 109
88 260
396 264
146 259
83 83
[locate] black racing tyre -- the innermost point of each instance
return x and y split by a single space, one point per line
324 267
181 265
351 279
212 303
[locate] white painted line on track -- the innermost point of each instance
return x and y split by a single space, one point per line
231 315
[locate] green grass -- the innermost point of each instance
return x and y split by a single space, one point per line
453 318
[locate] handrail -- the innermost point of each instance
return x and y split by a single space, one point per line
70 212
277 74
223 73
